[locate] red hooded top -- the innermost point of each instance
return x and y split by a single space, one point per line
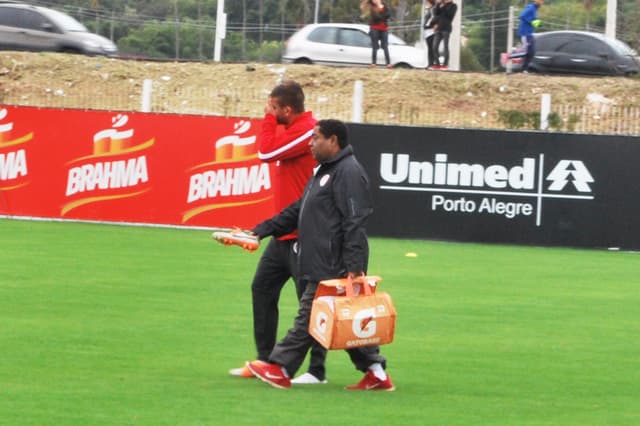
288 148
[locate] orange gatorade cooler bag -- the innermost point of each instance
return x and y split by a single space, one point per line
350 313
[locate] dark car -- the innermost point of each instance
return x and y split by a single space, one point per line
579 52
35 28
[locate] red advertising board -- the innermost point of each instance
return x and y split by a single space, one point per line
132 167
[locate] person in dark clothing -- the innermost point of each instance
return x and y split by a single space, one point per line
429 31
445 11
378 14
330 218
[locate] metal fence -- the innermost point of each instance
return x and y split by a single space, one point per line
249 102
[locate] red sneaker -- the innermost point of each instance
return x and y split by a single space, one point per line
244 371
270 373
371 382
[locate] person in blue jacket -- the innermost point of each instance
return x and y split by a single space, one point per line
528 23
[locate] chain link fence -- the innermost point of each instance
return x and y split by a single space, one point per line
249 102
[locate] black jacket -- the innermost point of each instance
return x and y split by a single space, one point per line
330 217
378 17
445 12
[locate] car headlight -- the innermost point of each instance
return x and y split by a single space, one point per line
109 47
91 45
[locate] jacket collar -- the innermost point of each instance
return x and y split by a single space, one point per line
344 152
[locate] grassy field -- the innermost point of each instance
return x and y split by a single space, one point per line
110 325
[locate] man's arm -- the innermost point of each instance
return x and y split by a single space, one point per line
528 14
281 224
354 203
451 11
290 142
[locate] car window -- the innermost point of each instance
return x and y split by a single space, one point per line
582 46
8 16
66 22
32 20
551 42
324 35
394 39
621 47
353 37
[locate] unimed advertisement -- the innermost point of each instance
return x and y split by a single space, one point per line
132 167
502 186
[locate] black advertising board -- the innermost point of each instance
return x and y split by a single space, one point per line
532 188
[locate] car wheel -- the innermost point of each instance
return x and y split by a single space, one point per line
303 61
402 65
71 50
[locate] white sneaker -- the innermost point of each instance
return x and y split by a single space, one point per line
308 379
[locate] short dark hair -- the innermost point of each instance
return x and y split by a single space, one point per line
289 93
330 127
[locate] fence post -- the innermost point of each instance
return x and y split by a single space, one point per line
545 110
509 39
146 95
356 112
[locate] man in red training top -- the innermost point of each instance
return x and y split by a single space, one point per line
284 140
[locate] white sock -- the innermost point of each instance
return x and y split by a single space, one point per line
378 371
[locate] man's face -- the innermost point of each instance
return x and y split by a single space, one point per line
282 113
322 148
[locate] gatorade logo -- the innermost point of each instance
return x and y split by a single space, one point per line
364 324
320 325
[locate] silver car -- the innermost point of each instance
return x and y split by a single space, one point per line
347 45
35 28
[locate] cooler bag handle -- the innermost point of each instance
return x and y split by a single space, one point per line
358 280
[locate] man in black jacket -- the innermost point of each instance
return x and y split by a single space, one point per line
444 12
330 218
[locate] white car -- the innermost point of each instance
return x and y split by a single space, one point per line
347 45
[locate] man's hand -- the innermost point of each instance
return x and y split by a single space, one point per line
269 108
354 275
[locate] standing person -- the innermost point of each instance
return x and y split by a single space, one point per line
445 11
429 32
284 140
528 23
378 14
330 218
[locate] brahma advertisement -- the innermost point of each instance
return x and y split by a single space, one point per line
132 167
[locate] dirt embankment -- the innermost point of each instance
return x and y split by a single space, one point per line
49 79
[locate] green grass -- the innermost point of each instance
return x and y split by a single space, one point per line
110 325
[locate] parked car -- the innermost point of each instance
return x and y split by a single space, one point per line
347 45
579 52
35 28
